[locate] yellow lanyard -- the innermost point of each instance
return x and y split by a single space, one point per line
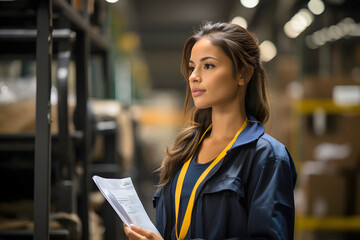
187 218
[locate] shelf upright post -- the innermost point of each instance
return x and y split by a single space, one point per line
105 64
83 124
65 199
82 96
43 118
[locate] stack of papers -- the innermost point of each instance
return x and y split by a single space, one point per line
122 196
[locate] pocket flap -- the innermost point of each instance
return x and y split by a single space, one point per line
233 184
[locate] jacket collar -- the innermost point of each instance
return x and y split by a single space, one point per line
253 131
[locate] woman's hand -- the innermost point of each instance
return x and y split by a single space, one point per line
138 233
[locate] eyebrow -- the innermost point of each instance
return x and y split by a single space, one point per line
205 58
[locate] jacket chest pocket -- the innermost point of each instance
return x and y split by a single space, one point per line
228 186
223 208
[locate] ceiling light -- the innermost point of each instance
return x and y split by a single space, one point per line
268 51
298 23
317 7
310 42
348 25
249 3
239 21
345 28
289 31
112 1
335 32
306 15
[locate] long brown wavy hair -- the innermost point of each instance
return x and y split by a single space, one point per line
242 48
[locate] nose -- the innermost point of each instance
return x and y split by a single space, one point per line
195 76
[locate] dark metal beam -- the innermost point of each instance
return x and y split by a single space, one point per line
82 123
82 23
43 107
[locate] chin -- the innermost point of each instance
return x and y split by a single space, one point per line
202 106
202 103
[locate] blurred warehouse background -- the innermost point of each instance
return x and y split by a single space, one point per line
116 97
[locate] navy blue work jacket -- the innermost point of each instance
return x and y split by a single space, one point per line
247 195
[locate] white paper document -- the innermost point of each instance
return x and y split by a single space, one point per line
122 196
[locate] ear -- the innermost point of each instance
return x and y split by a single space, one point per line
241 80
244 78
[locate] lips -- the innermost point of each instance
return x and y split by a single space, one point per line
197 92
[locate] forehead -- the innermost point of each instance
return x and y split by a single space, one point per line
205 48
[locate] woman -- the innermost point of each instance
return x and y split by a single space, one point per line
224 178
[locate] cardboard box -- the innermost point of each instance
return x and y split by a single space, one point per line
325 195
17 117
20 117
316 87
341 133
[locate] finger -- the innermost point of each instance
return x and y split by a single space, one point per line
132 234
126 229
141 231
146 233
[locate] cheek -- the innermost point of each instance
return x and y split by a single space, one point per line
223 82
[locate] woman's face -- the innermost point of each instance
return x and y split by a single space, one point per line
211 76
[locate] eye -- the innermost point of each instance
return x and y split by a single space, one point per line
191 69
209 66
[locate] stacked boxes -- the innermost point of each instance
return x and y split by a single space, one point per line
329 138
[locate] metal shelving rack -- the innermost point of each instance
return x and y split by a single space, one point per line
349 223
87 41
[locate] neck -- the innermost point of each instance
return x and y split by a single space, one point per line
226 122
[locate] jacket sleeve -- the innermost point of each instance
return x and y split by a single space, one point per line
270 199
